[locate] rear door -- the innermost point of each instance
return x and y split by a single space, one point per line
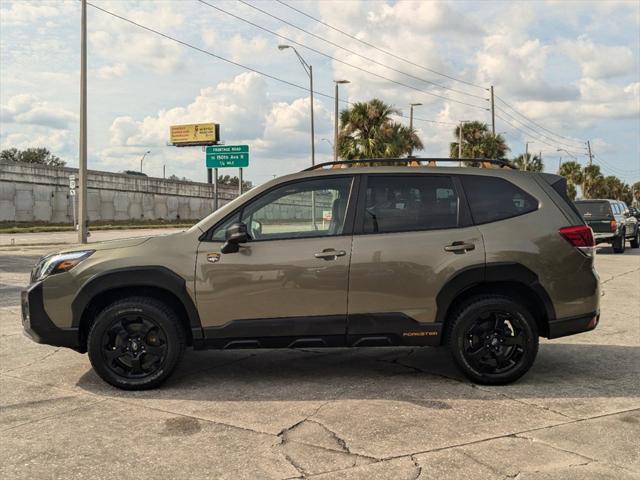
413 233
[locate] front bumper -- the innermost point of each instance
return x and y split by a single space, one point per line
570 326
37 324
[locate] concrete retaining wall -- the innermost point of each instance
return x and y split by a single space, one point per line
35 193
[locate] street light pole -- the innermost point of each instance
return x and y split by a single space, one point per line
142 158
82 167
335 120
411 123
309 71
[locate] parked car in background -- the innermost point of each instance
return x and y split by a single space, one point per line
611 222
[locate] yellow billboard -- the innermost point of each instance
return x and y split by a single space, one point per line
194 134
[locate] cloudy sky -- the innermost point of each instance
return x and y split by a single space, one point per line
571 68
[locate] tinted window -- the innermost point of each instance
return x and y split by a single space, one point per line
405 203
593 208
308 208
492 199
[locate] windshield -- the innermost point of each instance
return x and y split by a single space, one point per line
593 208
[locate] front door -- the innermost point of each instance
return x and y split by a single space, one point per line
412 235
288 284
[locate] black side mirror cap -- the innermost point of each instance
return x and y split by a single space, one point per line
235 235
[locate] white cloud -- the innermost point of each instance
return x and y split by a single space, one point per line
28 109
23 12
109 72
599 61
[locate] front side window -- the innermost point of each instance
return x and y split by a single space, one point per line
407 203
492 199
308 208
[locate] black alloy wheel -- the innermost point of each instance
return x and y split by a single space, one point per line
134 346
493 339
136 343
495 342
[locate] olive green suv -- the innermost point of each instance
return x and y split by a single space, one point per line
482 260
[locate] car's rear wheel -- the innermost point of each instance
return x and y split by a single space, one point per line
493 339
136 343
619 243
635 241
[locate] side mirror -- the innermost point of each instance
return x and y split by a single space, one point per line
235 234
626 213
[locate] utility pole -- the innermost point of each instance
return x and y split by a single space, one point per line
411 123
336 119
590 154
526 155
559 165
82 170
493 115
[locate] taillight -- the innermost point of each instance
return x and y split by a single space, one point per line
580 236
613 225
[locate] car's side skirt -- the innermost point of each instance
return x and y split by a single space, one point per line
362 330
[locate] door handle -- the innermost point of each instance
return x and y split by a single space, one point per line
330 254
460 247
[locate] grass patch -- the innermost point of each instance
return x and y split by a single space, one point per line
6 227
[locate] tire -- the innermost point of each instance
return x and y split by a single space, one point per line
619 243
635 241
136 343
482 337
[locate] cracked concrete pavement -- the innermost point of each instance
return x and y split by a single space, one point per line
375 413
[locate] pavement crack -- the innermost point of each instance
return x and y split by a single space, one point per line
418 467
38 360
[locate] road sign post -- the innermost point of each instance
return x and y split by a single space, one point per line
227 156
72 194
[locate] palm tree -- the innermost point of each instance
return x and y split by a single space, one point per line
533 163
592 181
367 131
572 171
478 142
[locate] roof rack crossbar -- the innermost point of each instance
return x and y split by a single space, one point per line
494 161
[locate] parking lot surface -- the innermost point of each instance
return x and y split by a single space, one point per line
372 413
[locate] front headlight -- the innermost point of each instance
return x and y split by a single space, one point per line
58 263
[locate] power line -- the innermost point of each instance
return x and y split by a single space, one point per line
572 145
535 123
288 39
534 130
259 72
381 49
529 134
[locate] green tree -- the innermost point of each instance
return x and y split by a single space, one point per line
478 142
367 131
572 171
533 164
636 192
40 156
592 182
233 182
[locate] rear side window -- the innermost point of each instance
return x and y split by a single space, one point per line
492 199
407 203
594 208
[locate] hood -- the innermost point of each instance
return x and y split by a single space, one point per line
106 245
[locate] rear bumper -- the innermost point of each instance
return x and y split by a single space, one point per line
604 237
570 326
37 324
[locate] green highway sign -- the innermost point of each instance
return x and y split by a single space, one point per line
221 156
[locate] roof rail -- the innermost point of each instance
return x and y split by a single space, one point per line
416 161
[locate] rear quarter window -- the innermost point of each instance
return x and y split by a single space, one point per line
492 199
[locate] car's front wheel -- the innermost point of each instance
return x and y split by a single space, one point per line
493 339
136 343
